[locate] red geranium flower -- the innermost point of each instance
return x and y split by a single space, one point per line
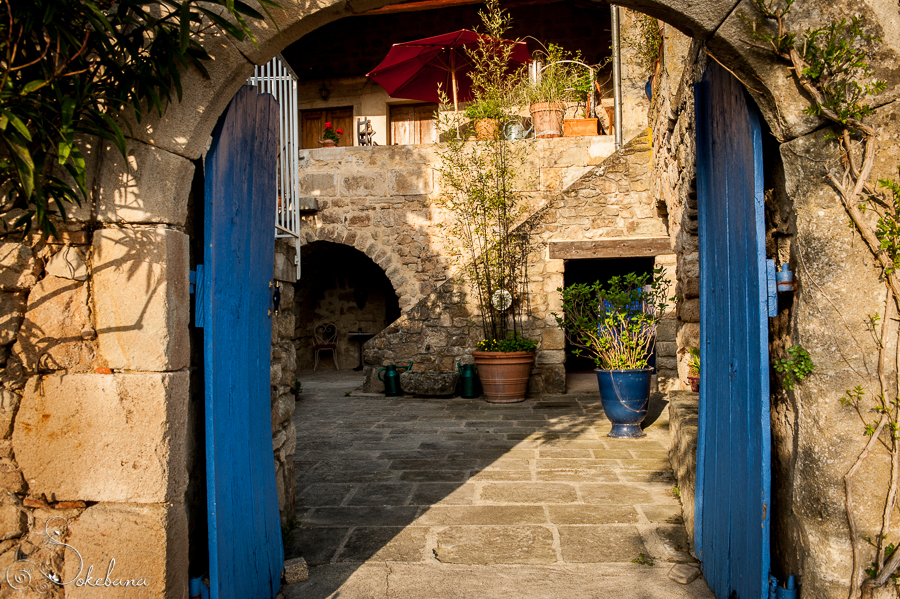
339 132
327 125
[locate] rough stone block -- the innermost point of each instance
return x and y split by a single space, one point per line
50 336
689 310
9 403
553 356
689 335
13 522
148 185
359 185
429 383
67 264
552 338
148 543
113 438
141 301
18 268
406 182
12 310
295 570
684 573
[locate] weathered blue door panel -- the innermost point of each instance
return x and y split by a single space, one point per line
246 555
733 451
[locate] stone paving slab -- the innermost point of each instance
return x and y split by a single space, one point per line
397 580
445 490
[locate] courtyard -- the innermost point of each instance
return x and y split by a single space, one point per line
411 497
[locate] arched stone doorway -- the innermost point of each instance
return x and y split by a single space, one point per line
183 132
340 285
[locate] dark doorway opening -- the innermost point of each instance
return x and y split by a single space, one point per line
588 272
343 286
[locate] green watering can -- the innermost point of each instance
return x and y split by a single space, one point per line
467 380
391 379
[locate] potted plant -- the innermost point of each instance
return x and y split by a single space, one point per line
330 136
694 369
547 90
480 189
486 115
615 324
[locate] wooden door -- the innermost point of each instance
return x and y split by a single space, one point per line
312 125
233 299
413 124
733 491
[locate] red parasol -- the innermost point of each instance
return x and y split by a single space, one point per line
414 69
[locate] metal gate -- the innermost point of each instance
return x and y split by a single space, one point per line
733 452
276 77
232 306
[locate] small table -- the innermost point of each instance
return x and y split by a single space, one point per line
360 338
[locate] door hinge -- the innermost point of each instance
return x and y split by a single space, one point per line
771 289
198 288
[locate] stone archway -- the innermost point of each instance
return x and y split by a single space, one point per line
152 189
399 276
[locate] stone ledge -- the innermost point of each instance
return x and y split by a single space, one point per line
684 409
439 384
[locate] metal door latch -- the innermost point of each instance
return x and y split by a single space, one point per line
275 286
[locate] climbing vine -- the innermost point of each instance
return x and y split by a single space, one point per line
832 65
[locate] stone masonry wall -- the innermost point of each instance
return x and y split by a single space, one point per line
379 200
815 439
284 381
94 386
611 200
673 184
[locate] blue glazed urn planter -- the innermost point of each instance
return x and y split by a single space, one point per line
625 395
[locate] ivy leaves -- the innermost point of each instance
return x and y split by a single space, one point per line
795 366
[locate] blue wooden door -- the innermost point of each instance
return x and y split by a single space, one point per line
733 451
245 552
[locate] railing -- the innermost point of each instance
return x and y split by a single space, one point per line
277 78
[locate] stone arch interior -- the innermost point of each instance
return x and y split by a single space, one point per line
342 285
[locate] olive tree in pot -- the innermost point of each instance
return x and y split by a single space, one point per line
489 242
615 324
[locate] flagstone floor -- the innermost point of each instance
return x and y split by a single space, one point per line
439 498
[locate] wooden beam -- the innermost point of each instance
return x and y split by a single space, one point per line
621 247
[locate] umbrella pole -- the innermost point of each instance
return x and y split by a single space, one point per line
453 85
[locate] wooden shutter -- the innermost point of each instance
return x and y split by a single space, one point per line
413 124
313 122
342 118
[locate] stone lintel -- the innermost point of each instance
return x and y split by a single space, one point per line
633 247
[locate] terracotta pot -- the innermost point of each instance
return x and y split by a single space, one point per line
504 375
579 127
548 119
327 143
695 383
486 129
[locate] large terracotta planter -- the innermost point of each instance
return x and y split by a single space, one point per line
504 375
579 127
548 119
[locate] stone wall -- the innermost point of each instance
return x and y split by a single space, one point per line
96 414
93 398
673 184
611 200
815 439
284 381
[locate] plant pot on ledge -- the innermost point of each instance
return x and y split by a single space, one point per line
504 375
579 127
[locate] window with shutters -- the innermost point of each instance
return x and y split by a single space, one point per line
413 124
312 125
